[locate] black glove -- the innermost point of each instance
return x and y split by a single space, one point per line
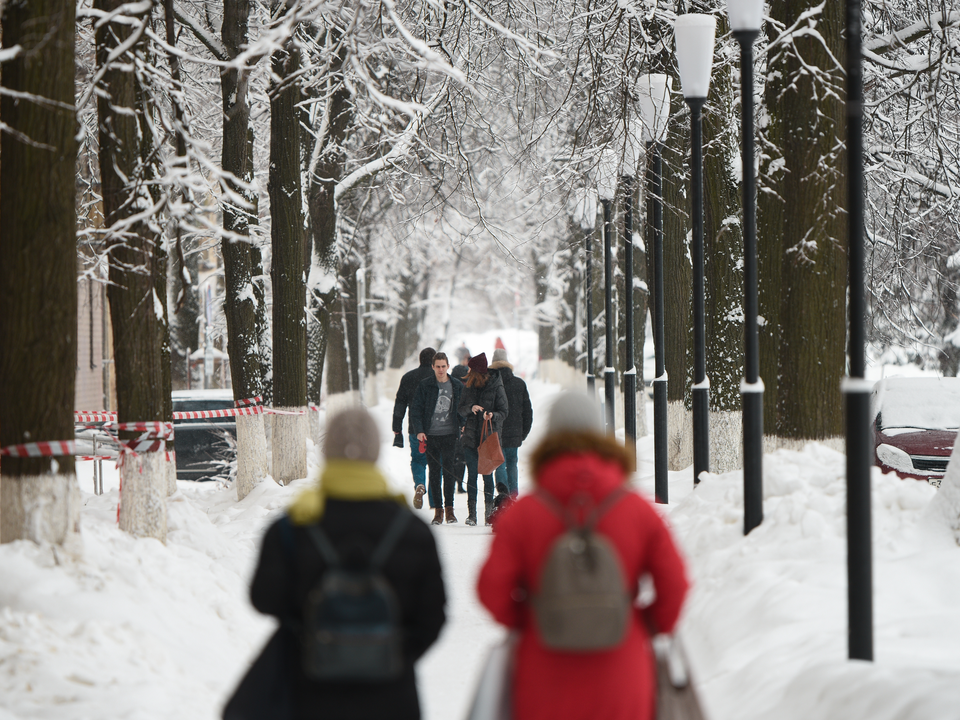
398 440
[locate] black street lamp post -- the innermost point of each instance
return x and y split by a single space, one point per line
746 18
607 188
654 96
856 388
694 36
630 376
586 213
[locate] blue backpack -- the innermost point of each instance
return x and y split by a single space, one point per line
352 626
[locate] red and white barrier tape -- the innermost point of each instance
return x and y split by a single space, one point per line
228 412
247 406
84 416
50 448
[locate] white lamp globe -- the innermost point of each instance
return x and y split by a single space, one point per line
607 173
745 14
653 93
694 36
585 211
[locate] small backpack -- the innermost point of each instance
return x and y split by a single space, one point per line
352 627
583 604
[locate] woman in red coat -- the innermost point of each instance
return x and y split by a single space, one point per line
575 458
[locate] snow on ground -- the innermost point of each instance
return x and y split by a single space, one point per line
119 627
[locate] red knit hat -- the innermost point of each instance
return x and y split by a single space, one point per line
478 363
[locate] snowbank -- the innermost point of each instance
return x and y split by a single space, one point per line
129 628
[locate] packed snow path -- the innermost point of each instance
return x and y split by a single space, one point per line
119 627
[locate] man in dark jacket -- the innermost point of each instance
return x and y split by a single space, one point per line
353 507
460 372
518 423
434 420
483 399
405 393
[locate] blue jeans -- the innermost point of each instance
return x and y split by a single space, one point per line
418 464
508 473
471 457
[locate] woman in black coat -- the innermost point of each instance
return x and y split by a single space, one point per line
483 397
354 509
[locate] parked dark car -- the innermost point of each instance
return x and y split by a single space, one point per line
915 425
206 447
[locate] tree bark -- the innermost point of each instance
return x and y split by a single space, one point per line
677 284
39 497
324 175
135 310
289 286
814 262
240 300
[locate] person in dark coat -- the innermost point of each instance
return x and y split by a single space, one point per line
460 371
483 399
517 425
405 393
434 420
578 464
354 507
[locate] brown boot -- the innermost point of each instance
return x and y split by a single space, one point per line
451 518
437 517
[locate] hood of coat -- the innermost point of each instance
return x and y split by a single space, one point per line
566 463
500 365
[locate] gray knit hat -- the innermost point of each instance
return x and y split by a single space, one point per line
499 355
352 435
574 412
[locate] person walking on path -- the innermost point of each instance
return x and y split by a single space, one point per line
434 420
483 399
517 425
580 467
405 392
460 371
353 507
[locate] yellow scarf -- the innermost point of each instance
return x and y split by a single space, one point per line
341 480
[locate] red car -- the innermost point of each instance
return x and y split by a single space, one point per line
915 425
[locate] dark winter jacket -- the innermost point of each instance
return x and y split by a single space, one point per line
520 418
492 398
405 393
425 402
290 566
616 684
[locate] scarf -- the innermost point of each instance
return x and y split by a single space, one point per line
341 480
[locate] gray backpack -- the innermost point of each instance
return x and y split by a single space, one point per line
583 604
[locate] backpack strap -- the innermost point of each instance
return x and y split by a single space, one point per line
323 544
390 538
567 516
380 554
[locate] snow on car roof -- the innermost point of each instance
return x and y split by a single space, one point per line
925 402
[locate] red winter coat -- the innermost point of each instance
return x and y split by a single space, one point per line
617 684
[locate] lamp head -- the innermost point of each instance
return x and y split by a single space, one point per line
653 92
745 14
585 211
694 36
608 171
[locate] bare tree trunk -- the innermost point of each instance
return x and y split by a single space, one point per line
240 301
326 170
289 288
132 244
39 497
814 262
723 252
677 284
